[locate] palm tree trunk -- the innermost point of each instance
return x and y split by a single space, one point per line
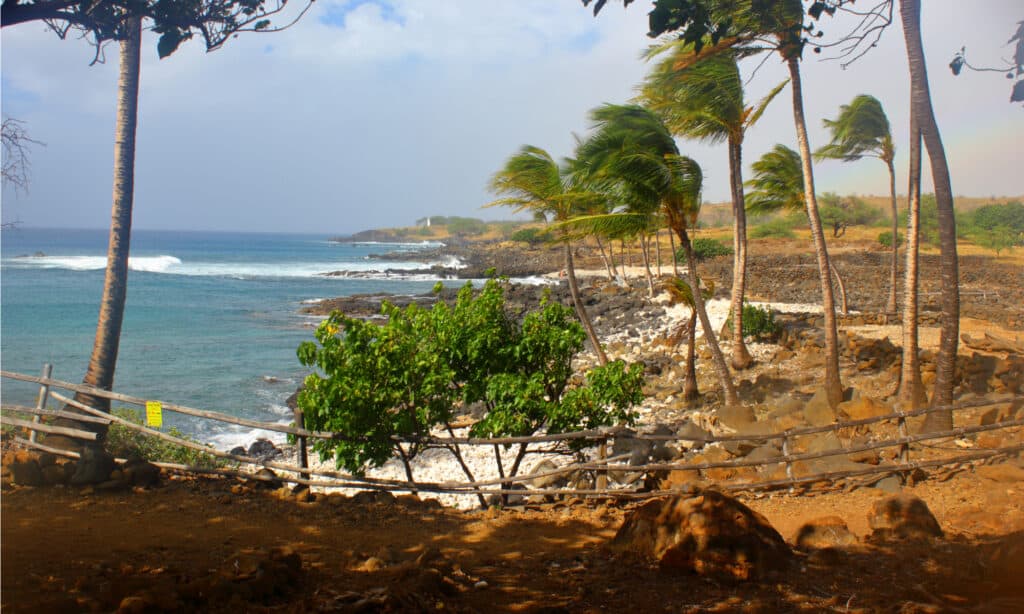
832 384
657 244
911 393
581 312
724 377
675 258
890 306
645 249
841 285
921 101
690 389
609 265
741 358
102 362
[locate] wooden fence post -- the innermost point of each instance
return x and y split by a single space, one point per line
602 474
785 453
44 394
300 422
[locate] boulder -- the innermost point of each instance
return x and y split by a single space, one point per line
264 450
817 411
54 474
693 435
736 416
862 407
707 533
26 473
140 472
824 532
1005 563
548 481
94 467
902 515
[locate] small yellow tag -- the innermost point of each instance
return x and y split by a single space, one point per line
154 414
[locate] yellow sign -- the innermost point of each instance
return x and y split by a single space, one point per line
154 414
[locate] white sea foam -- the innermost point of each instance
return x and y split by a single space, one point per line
172 265
151 264
413 244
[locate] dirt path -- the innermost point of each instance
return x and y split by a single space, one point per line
217 545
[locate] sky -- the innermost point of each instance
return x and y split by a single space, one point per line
375 113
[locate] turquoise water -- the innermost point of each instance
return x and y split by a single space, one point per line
212 319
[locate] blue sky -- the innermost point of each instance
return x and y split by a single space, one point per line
371 113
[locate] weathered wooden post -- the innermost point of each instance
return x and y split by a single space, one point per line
300 422
44 395
602 457
785 455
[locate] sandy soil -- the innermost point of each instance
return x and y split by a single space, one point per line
203 545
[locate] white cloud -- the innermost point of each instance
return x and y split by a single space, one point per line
403 111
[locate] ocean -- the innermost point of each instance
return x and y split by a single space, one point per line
212 319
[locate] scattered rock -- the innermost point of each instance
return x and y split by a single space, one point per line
902 516
140 472
824 532
264 450
708 533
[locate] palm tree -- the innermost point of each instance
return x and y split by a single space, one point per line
102 362
862 129
777 184
680 293
632 150
705 101
921 106
911 392
535 183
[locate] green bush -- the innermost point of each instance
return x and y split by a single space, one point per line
885 238
401 378
995 227
533 236
757 322
839 213
123 442
778 228
705 249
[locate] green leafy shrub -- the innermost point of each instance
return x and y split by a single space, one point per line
885 238
123 442
778 228
705 249
839 213
533 236
995 227
401 378
757 322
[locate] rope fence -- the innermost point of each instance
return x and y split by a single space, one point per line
506 485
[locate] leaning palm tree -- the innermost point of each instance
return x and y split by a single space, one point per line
102 362
705 101
632 150
928 128
535 182
860 130
680 293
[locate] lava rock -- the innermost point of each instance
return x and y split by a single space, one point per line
708 533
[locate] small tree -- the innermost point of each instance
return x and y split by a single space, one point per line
379 384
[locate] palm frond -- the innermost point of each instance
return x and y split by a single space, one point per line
777 182
861 129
